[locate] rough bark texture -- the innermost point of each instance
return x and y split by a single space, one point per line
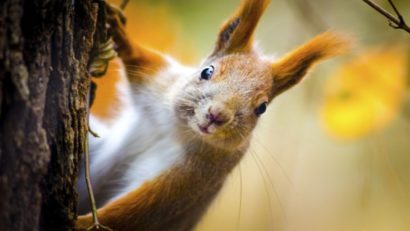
44 51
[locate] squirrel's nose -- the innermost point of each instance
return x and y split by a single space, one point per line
217 115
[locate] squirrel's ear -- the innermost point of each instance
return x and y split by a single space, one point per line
290 69
236 34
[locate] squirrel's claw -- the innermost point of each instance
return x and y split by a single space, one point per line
105 53
99 227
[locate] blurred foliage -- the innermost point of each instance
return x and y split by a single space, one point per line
366 93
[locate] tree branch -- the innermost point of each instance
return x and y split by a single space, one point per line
395 22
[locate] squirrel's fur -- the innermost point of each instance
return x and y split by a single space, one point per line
156 169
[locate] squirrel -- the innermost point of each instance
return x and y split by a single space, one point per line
166 158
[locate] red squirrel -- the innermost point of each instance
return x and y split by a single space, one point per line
165 159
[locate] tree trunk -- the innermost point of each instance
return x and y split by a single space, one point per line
44 52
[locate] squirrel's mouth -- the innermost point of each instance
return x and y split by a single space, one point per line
207 127
204 128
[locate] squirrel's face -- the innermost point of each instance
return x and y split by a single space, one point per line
224 99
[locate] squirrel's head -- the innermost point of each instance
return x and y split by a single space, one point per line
225 97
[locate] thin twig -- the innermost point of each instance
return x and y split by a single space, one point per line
96 224
394 8
396 23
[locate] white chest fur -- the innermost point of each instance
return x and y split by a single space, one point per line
140 145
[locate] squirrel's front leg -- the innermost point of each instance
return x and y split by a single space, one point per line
140 62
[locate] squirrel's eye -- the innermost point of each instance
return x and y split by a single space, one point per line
207 72
261 109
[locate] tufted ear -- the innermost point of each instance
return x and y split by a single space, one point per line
291 69
236 34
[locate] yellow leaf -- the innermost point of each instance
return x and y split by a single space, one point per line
365 94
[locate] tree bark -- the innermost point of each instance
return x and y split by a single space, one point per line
44 83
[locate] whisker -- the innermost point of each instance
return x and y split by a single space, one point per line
275 160
272 184
264 183
238 223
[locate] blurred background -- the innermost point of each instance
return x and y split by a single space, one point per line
333 153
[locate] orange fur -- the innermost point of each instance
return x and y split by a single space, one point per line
107 97
139 61
142 63
290 69
177 199
236 34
